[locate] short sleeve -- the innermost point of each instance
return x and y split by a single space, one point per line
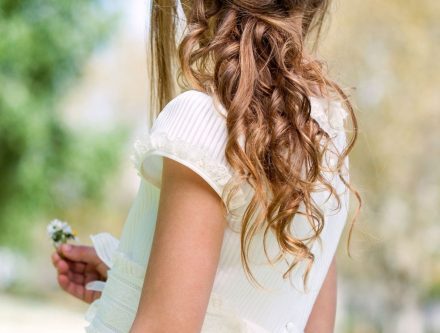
191 129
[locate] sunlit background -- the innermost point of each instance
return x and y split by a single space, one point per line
73 96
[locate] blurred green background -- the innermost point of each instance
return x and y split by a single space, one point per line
73 97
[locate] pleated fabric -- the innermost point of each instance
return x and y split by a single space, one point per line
191 129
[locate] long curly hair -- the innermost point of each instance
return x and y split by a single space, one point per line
252 57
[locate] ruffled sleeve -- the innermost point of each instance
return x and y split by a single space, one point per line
105 245
190 130
331 117
329 114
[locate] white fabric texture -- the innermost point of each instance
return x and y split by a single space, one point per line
191 129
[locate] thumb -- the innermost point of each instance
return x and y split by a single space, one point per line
81 253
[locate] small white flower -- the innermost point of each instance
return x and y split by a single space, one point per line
67 229
60 232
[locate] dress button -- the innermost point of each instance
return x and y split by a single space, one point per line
290 326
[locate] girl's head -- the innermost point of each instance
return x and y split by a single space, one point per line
293 19
253 57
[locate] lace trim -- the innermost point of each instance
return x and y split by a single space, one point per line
332 121
148 144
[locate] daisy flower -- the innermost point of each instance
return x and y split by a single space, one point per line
60 232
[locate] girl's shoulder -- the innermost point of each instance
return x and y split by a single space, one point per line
190 129
193 103
330 114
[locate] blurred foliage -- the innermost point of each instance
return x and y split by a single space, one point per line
44 164
386 51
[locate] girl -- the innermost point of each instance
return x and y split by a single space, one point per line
244 186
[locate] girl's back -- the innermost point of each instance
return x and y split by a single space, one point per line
192 130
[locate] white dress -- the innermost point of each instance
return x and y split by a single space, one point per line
192 130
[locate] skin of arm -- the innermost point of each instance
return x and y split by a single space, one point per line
185 254
322 317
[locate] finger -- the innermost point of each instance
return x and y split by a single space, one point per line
82 253
62 267
63 281
81 278
67 285
77 267
55 257
58 256
93 276
74 289
85 294
89 295
102 269
60 264
76 278
77 290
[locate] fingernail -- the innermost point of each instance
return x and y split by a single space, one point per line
66 247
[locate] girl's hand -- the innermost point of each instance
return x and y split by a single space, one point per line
77 265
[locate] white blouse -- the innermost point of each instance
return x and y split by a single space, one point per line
191 129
